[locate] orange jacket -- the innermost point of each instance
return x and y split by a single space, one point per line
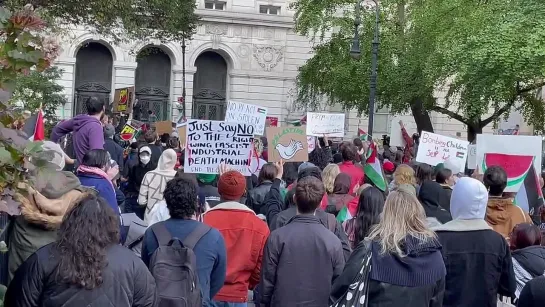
245 236
502 215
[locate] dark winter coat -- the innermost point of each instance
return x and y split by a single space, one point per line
528 263
211 195
478 263
104 187
285 216
115 151
256 197
433 199
417 280
127 282
135 175
300 262
533 294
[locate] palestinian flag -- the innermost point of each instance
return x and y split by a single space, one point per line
530 197
344 215
34 127
299 122
373 168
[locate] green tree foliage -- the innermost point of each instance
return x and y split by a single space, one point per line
489 54
122 19
40 89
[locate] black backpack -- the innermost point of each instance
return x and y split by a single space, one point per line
174 267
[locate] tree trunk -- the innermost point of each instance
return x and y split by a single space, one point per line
474 129
421 116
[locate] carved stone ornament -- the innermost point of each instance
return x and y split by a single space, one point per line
243 51
268 56
216 31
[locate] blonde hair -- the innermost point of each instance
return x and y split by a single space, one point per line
403 216
329 174
404 174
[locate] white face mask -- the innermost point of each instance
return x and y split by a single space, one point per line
145 159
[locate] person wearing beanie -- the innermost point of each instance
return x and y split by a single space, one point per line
207 186
478 260
111 146
43 207
245 237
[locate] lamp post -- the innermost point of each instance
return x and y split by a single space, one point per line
355 53
183 77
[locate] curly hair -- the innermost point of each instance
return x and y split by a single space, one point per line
181 198
404 174
319 157
82 245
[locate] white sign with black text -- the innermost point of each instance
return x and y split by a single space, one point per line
325 124
435 148
240 112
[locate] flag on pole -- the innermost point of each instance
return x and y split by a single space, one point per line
373 169
34 127
530 197
299 122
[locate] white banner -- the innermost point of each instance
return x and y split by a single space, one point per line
436 148
472 156
240 112
210 143
396 137
325 124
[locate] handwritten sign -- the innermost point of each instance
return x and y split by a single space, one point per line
239 112
123 100
436 148
472 156
288 144
325 124
128 132
210 143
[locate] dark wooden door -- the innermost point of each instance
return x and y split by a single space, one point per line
209 87
94 64
152 85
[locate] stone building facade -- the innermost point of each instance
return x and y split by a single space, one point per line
244 50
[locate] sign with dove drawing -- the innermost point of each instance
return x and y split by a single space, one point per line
288 144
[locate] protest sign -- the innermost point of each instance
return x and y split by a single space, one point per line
182 133
436 148
325 124
123 100
210 143
311 141
288 144
128 132
472 156
163 127
514 153
239 112
396 138
273 121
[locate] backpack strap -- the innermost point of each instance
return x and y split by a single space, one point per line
193 238
161 233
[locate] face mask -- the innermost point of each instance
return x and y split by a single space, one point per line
145 159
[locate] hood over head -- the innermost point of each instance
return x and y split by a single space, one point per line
342 184
167 161
468 199
304 166
313 171
430 193
53 153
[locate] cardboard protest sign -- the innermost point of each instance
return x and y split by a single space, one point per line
311 141
128 132
516 154
288 144
210 143
123 100
182 133
436 148
163 127
325 124
472 156
239 112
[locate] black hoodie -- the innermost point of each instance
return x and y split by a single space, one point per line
432 196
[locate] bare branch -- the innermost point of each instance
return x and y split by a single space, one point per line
450 113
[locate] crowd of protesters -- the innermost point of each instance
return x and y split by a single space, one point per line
319 233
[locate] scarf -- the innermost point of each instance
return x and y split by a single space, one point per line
95 171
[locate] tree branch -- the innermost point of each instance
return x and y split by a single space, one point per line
510 104
450 113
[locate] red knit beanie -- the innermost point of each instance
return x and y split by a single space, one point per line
231 185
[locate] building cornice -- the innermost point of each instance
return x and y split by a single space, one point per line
245 18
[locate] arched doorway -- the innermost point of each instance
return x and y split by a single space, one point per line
94 64
152 85
209 87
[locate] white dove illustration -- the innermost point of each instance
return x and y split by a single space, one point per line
288 152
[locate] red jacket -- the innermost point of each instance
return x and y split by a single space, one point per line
245 236
407 152
356 174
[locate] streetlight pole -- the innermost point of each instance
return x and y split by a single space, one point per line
355 53
183 77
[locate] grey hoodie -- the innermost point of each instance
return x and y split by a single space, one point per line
87 134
